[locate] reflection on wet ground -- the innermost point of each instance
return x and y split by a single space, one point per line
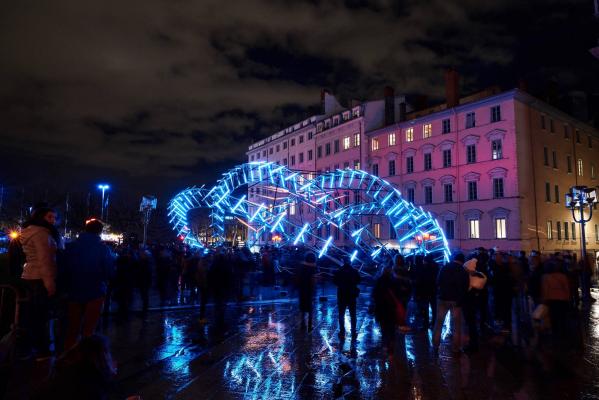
263 354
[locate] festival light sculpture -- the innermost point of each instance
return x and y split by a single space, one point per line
299 208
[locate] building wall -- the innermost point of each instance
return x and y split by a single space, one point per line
548 132
521 166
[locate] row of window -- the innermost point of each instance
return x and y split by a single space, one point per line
566 131
498 191
427 129
281 146
579 163
496 154
499 224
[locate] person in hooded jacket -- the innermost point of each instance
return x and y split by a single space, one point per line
40 241
88 266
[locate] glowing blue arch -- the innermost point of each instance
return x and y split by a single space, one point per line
325 196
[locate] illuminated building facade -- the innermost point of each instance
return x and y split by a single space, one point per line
493 168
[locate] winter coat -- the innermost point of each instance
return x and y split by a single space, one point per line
555 286
88 266
452 283
347 279
40 256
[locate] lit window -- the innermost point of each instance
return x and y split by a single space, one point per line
410 135
375 144
356 164
580 167
346 143
377 230
292 209
427 130
549 230
356 139
392 139
496 149
500 232
473 229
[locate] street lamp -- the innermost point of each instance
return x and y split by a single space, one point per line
103 187
577 199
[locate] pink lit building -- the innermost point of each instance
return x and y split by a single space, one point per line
493 168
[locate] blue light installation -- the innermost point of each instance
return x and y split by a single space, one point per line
286 201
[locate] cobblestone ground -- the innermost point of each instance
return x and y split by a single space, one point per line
262 353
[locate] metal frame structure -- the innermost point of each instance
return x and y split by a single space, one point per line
300 208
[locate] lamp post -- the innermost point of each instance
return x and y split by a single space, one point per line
577 199
103 187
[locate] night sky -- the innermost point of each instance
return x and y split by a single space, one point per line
154 95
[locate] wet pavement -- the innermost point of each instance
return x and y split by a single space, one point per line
262 353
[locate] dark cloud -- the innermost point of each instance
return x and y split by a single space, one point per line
164 88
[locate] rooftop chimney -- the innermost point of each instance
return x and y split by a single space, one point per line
402 111
323 93
452 88
389 106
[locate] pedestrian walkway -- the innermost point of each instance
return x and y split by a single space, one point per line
263 354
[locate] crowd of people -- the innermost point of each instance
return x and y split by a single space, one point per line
530 299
